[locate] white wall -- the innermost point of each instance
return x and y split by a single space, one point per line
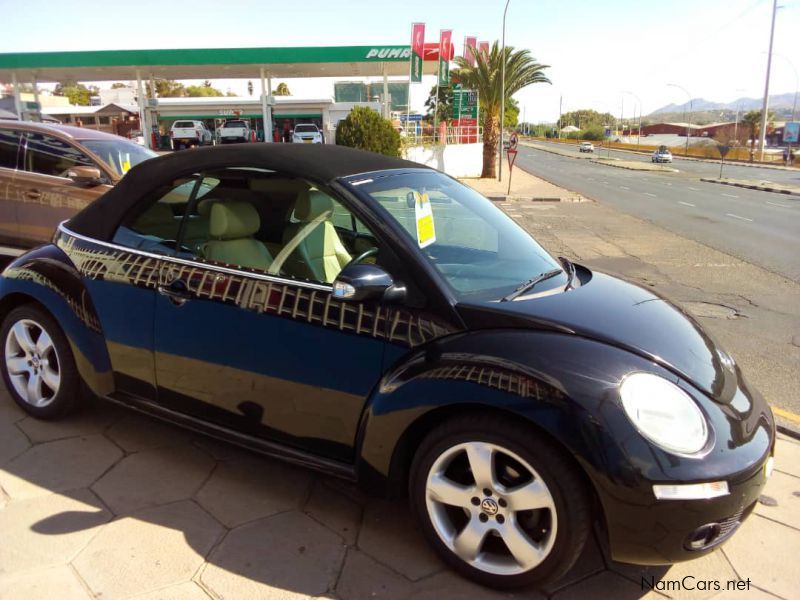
457 160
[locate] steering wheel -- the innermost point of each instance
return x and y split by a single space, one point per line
366 254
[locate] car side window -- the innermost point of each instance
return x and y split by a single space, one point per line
276 224
9 147
157 227
50 155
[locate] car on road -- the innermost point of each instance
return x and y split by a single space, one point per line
586 147
306 133
662 155
49 172
382 322
234 131
189 134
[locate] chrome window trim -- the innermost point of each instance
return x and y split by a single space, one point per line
181 261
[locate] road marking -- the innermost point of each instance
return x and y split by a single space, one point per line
624 188
685 203
785 414
778 204
605 183
730 196
694 189
649 194
738 217
665 183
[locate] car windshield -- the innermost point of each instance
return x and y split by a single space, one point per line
183 125
305 129
120 154
481 252
234 124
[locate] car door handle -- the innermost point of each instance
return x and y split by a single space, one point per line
176 292
33 194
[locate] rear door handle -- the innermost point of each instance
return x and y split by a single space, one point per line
33 194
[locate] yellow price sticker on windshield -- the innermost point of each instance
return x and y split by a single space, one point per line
126 166
423 213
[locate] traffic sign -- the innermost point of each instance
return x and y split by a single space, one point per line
723 149
511 154
512 143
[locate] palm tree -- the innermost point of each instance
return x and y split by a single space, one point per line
521 71
752 120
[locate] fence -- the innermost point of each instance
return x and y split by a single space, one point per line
471 134
738 153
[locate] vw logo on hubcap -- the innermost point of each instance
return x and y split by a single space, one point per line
489 506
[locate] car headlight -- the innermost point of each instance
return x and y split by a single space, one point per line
663 413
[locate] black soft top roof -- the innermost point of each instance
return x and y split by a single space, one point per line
317 162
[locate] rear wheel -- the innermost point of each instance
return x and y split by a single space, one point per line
499 504
38 366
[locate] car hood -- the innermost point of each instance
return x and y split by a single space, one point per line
615 312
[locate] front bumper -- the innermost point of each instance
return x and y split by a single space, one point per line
663 531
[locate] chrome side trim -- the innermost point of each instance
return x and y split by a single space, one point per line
181 261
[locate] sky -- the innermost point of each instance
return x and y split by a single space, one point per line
602 54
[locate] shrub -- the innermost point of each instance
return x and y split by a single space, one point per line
594 133
367 130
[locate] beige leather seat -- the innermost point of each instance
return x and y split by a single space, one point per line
157 221
231 227
320 255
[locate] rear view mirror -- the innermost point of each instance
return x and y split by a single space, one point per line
85 175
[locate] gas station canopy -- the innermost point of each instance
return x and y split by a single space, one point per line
214 63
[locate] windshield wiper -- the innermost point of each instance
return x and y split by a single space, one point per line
530 283
570 269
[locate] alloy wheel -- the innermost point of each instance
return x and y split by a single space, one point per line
491 508
32 363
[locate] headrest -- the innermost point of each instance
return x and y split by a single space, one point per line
233 220
158 214
311 204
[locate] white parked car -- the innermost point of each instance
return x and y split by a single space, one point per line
586 147
188 134
306 133
234 131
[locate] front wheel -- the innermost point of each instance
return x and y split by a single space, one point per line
38 367
499 503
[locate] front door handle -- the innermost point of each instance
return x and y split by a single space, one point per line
33 194
176 292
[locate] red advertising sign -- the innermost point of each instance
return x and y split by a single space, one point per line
445 37
483 48
417 51
432 52
470 42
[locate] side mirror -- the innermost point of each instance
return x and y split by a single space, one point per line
85 175
360 282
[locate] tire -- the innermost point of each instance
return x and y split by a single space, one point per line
48 359
465 524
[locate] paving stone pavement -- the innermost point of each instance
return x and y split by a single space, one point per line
122 506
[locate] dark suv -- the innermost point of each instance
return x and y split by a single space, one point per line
49 172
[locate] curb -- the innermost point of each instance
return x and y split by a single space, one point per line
528 199
610 164
763 188
795 435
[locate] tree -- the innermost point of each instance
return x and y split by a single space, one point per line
365 129
511 114
444 107
752 120
586 118
77 93
195 91
167 88
207 83
521 70
282 90
118 85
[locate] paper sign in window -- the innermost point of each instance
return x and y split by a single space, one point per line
426 231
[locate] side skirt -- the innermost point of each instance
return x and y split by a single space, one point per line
284 453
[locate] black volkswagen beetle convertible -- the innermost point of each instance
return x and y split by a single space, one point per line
381 322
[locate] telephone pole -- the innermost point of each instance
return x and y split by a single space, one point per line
765 105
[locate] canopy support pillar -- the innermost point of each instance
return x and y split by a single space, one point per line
142 115
17 101
36 97
266 109
386 104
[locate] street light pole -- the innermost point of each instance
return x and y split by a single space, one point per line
688 119
639 135
502 93
765 104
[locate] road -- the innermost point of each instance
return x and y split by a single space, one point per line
695 168
762 228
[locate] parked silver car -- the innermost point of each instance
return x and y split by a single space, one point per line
662 155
